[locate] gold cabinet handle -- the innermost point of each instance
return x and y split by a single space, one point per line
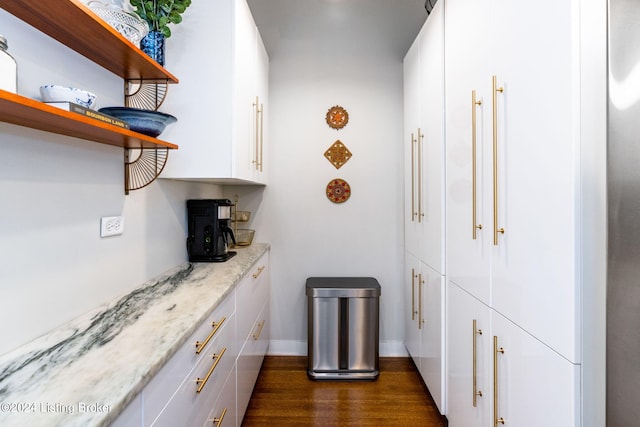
474 104
218 421
256 336
496 350
258 273
420 283
261 135
476 393
203 381
413 178
496 230
420 211
413 294
216 326
256 134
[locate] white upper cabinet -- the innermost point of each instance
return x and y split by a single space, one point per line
424 143
522 261
225 66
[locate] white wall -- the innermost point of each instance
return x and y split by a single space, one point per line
310 235
53 191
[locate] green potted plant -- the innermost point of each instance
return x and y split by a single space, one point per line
158 14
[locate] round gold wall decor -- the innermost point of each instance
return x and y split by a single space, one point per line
338 190
337 117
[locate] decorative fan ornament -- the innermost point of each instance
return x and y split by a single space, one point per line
338 190
145 168
146 96
337 117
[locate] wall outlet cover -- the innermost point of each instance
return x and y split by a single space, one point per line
111 226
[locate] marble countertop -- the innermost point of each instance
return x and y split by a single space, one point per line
85 372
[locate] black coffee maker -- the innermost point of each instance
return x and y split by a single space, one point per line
209 230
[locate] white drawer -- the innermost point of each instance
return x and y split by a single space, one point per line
188 407
250 359
225 406
251 294
164 384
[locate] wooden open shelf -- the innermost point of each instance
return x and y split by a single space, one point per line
76 26
34 114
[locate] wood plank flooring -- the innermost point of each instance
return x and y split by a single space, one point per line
285 396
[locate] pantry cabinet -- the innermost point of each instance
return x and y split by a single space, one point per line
496 370
424 203
224 102
513 196
424 325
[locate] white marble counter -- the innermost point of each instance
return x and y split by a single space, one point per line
85 372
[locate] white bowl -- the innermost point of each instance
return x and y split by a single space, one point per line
57 93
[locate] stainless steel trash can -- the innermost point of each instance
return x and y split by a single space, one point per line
343 328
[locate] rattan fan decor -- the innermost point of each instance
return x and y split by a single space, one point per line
142 166
146 96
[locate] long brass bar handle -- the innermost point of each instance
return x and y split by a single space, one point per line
256 336
413 294
476 392
256 106
413 178
420 283
218 421
203 382
258 273
261 135
496 350
420 210
216 326
496 230
474 104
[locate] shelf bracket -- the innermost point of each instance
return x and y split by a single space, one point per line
142 166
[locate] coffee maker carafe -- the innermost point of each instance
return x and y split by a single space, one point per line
209 229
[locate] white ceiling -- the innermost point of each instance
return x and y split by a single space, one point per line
335 28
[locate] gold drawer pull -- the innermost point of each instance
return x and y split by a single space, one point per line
496 350
203 381
496 228
474 104
257 334
258 273
218 421
476 392
216 326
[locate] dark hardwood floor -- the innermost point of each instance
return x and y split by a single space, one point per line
285 396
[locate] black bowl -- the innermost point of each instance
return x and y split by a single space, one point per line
147 122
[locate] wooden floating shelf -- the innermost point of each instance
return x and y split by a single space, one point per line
22 111
75 25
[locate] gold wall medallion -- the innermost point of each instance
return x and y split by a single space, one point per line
338 154
338 190
337 117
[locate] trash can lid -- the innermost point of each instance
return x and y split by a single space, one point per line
343 287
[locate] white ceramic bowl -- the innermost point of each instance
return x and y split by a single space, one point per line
57 93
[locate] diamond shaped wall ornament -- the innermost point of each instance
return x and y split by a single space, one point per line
338 154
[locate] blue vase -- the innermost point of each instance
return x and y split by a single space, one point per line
153 45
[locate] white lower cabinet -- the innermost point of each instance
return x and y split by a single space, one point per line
194 388
424 325
535 386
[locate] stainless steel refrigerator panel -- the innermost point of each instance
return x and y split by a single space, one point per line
623 165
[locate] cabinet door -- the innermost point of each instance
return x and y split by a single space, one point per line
223 411
432 128
412 333
468 227
411 147
469 349
245 90
538 156
535 385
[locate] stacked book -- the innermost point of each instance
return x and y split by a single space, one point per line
75 108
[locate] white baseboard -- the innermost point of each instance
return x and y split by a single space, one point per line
299 348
